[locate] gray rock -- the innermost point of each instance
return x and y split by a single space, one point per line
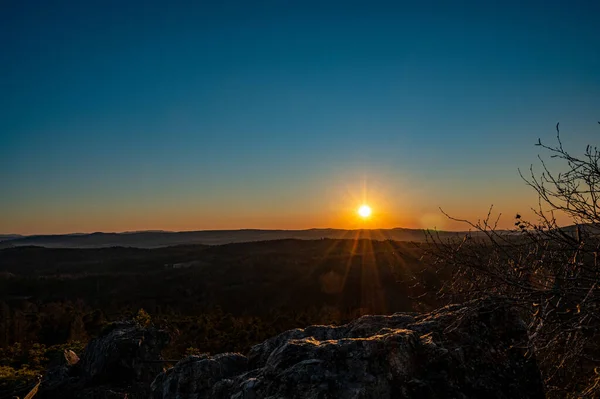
215 372
475 350
120 363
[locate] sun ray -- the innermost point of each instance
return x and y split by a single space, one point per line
372 291
349 262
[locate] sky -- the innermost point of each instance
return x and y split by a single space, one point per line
138 115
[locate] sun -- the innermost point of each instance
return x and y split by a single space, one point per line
364 211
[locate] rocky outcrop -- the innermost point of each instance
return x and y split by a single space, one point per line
120 363
476 350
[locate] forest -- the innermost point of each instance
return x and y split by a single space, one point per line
211 298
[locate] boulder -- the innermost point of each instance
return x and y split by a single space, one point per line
120 363
475 350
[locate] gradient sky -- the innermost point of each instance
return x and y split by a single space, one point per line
133 115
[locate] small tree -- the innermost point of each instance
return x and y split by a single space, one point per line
548 271
143 318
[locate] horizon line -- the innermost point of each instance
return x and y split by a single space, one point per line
224 230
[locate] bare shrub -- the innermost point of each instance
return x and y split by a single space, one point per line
550 272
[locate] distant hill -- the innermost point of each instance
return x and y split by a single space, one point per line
155 239
6 237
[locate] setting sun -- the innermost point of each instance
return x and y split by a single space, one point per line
364 211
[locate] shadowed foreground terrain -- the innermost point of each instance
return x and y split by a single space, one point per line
212 298
474 350
238 299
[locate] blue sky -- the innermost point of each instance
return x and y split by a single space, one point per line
283 114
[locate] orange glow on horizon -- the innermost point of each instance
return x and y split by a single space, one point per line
394 201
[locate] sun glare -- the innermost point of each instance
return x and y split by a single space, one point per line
364 211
